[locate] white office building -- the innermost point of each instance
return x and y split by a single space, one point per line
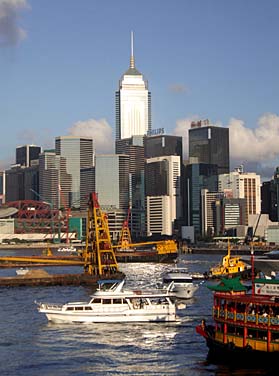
133 103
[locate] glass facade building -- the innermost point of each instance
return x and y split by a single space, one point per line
112 181
158 146
26 154
198 176
210 145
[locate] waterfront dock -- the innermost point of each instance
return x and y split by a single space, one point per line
40 277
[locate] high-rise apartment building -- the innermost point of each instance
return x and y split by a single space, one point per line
78 153
210 144
243 185
133 103
27 154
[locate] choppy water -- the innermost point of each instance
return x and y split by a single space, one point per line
29 345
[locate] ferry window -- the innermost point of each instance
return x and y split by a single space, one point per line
231 329
70 309
106 301
239 331
96 301
262 334
78 308
251 333
87 308
241 307
274 337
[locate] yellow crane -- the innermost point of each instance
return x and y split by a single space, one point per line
125 241
99 256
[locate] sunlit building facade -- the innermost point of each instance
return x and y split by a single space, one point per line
132 103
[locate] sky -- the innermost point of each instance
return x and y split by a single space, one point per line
61 62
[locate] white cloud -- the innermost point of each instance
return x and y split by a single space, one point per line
260 144
257 147
100 130
10 32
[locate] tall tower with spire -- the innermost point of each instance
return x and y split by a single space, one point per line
132 102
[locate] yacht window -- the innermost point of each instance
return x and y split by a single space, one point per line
96 301
117 301
87 308
106 301
70 309
78 308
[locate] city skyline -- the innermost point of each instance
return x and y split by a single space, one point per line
202 59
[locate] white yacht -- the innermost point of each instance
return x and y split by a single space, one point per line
180 282
115 304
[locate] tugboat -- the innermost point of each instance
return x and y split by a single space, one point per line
246 328
230 266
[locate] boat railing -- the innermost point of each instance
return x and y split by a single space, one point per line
244 317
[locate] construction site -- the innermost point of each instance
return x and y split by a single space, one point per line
99 257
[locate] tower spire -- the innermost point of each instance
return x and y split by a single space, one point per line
132 59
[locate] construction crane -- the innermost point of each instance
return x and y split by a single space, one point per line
125 237
99 256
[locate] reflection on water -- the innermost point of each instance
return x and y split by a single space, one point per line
29 345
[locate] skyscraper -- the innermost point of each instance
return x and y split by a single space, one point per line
163 193
79 153
26 154
162 145
133 147
210 145
198 176
132 102
52 171
244 185
112 180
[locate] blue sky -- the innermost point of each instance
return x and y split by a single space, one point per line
60 63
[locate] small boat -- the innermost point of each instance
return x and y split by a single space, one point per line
231 266
67 249
112 303
180 282
246 328
22 271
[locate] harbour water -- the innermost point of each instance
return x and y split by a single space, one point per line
30 345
